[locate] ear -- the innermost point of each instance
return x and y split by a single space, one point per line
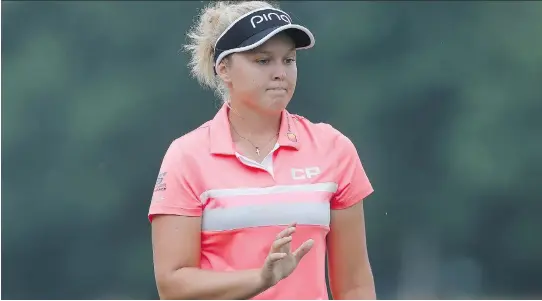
223 71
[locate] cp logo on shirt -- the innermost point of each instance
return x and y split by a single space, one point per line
305 173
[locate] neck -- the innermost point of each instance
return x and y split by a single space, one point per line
252 124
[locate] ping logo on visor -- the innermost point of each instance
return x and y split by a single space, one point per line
255 28
266 17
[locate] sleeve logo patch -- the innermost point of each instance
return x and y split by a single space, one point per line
160 185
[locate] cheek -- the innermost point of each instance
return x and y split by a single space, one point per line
292 76
241 81
255 80
250 84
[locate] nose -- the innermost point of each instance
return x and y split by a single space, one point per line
279 73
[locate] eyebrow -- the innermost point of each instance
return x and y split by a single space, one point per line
269 52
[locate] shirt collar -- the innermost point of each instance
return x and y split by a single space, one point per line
220 133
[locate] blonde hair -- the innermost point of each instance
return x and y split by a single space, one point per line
211 23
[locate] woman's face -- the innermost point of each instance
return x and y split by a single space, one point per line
264 78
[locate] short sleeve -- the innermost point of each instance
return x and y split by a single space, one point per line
353 184
175 192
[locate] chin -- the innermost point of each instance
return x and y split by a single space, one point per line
276 105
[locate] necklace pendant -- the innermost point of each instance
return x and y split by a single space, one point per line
257 151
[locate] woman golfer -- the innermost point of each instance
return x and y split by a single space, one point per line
247 205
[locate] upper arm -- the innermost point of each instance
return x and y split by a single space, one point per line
347 251
175 213
175 244
349 266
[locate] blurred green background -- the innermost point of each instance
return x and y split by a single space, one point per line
442 99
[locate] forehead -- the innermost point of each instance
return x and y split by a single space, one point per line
278 43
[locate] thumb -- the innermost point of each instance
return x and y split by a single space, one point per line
303 250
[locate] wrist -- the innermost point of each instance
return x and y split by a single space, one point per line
263 282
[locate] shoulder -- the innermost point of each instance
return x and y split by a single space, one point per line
322 133
190 143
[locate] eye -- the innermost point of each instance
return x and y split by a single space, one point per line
289 61
262 61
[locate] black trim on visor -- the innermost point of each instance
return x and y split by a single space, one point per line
301 39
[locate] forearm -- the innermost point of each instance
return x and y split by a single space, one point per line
193 283
361 287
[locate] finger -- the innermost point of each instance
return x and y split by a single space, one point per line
273 257
286 232
279 243
303 249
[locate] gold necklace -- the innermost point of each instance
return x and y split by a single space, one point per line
248 140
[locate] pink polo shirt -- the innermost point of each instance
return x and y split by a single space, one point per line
244 205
